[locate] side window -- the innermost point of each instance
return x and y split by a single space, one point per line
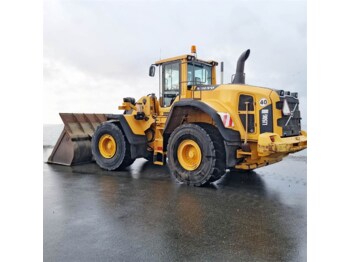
201 73
242 103
171 82
242 108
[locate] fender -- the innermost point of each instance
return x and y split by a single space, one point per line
232 138
175 117
138 143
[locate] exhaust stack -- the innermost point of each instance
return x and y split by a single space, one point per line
240 75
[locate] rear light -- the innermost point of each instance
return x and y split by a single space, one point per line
272 138
286 110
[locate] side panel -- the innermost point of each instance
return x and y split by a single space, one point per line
228 97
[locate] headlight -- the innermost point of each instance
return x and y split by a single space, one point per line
190 58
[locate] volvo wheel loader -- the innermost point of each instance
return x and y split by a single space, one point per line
198 127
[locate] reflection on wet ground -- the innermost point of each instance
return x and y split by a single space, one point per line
143 214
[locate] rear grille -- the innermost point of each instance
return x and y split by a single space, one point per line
293 127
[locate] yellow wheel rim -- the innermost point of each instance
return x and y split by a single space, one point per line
189 154
107 146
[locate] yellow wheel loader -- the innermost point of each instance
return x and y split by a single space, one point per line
200 128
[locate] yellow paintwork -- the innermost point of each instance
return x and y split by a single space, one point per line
189 155
291 144
176 58
267 152
150 108
107 146
225 99
250 164
158 141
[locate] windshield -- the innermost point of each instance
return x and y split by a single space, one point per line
199 74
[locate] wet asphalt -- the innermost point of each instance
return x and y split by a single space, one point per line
142 214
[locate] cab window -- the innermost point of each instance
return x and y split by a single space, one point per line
198 74
171 82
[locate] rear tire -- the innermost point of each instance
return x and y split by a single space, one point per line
190 166
110 147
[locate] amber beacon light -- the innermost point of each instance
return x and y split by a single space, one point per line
193 49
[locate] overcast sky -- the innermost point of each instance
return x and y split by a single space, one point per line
97 52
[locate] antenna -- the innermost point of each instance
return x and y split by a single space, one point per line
222 72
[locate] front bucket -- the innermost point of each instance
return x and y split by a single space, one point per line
74 144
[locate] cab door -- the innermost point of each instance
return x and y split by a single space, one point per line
170 82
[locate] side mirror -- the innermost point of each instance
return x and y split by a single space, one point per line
152 70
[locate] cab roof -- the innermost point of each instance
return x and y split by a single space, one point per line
176 58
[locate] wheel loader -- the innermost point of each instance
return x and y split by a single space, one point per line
200 128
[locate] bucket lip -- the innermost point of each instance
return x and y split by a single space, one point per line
68 152
58 143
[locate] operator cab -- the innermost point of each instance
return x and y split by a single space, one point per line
179 75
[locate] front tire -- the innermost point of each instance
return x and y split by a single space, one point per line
196 154
110 147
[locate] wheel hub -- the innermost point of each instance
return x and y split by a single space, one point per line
189 154
107 146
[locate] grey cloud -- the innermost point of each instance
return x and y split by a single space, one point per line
110 44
